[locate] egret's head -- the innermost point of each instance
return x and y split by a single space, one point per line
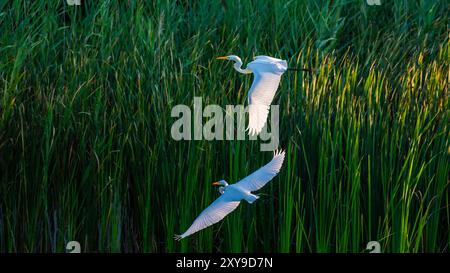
230 58
222 183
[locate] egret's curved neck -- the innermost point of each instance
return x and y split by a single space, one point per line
238 66
222 189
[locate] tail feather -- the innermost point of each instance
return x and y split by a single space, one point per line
251 198
178 237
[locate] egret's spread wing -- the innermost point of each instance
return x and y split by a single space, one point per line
218 209
267 73
258 179
269 59
257 116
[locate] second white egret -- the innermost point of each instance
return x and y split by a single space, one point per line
232 195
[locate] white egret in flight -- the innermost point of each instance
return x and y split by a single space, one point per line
232 195
267 73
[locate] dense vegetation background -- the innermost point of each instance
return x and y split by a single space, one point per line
85 147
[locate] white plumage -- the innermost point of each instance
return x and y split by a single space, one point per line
267 73
233 194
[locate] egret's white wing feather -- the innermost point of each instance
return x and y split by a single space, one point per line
257 116
215 212
259 178
267 73
269 59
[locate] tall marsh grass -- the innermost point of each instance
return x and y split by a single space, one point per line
85 146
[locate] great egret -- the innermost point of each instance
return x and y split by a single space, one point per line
232 195
267 73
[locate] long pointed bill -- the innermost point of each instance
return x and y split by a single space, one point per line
216 184
222 58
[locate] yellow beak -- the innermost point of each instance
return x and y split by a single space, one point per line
216 184
222 58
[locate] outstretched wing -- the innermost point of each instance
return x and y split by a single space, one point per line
259 178
267 73
218 209
270 59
